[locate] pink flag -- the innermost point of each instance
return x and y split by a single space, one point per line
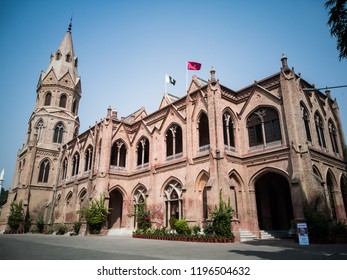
194 65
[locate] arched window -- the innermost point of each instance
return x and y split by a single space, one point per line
306 121
333 137
44 171
118 155
88 158
58 133
68 197
48 99
174 145
39 130
74 107
331 199
204 135
173 201
68 57
142 153
64 170
320 130
58 55
263 127
139 201
343 185
228 131
75 163
62 101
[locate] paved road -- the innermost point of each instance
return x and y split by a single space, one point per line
53 247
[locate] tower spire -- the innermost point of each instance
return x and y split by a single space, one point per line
70 25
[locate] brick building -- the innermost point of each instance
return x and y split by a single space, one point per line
271 147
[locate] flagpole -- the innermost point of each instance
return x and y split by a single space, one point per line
187 75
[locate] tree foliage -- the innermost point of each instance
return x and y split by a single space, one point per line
338 24
16 216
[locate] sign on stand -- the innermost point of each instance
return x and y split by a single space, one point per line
303 234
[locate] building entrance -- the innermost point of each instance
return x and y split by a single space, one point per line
116 206
274 204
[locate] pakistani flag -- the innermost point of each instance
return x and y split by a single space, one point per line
169 80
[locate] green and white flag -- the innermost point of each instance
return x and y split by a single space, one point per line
169 80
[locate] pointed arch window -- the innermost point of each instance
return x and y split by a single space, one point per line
68 57
320 130
44 171
48 99
204 134
228 131
331 199
58 55
174 145
62 101
139 201
143 153
173 201
58 133
306 120
74 107
39 130
343 185
333 137
75 163
118 155
263 127
64 170
88 158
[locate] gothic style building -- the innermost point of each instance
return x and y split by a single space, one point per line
271 148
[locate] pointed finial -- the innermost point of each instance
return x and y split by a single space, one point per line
70 25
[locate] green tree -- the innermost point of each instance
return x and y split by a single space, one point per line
338 24
16 216
95 214
3 196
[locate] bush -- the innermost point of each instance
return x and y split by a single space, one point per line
16 216
40 224
172 223
221 220
339 228
143 218
76 228
318 226
182 227
61 229
95 214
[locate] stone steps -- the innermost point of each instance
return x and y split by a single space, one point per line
246 235
120 231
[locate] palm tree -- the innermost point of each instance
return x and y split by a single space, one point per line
338 24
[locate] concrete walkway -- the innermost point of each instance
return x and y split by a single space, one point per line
53 247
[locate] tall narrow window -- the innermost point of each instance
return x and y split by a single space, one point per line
331 199
48 99
58 133
118 155
74 107
306 121
62 101
204 135
75 164
39 130
174 146
139 202
263 127
44 171
320 130
143 153
68 57
58 55
333 137
64 171
88 158
228 131
173 201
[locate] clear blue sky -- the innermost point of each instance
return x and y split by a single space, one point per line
125 48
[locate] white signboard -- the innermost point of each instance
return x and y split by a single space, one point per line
303 234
